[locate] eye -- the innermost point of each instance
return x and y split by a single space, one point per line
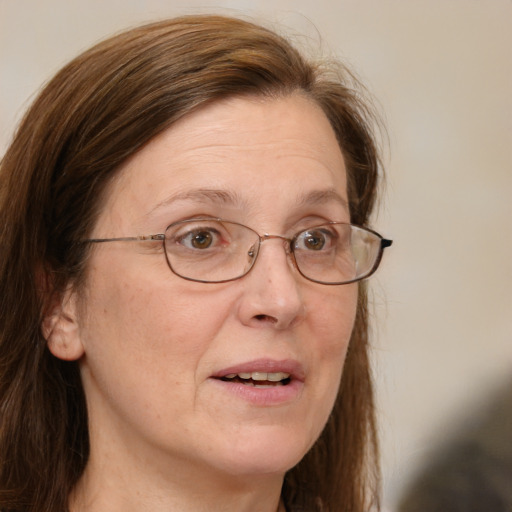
199 238
315 240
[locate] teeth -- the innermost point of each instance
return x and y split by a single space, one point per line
260 376
276 377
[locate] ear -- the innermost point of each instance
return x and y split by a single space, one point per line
60 327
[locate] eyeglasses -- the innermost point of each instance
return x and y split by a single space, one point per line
209 250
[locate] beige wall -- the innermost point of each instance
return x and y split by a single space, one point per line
442 70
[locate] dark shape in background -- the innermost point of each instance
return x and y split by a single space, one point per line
472 472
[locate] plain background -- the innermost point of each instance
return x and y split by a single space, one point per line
442 72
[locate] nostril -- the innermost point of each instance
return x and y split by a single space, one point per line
266 318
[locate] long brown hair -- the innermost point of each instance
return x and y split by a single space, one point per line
99 110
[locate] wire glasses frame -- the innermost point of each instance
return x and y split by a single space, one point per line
213 250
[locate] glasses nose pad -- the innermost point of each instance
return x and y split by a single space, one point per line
252 253
289 247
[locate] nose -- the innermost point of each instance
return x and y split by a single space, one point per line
272 294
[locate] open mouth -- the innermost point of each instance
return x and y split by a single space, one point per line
258 379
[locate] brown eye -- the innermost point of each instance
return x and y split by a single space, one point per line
199 239
312 240
202 240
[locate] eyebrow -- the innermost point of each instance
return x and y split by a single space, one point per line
214 196
318 197
233 199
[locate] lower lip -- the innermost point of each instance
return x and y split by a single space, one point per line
265 396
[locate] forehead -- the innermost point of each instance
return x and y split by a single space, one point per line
256 152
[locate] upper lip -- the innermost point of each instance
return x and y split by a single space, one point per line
294 368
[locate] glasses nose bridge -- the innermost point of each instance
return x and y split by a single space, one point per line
287 242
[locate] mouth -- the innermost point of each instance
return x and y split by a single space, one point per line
259 379
263 373
263 382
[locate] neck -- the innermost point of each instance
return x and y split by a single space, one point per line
127 489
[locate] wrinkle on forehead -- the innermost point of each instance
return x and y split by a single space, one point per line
249 131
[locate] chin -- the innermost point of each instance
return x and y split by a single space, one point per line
269 452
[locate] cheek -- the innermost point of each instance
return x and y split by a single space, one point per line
334 326
145 338
333 319
330 323
148 317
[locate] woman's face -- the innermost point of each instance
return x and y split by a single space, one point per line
154 347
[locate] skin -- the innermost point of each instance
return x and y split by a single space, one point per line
164 434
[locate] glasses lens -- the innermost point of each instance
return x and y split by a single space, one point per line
213 250
336 253
210 250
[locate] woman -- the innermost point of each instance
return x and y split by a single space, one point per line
183 321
